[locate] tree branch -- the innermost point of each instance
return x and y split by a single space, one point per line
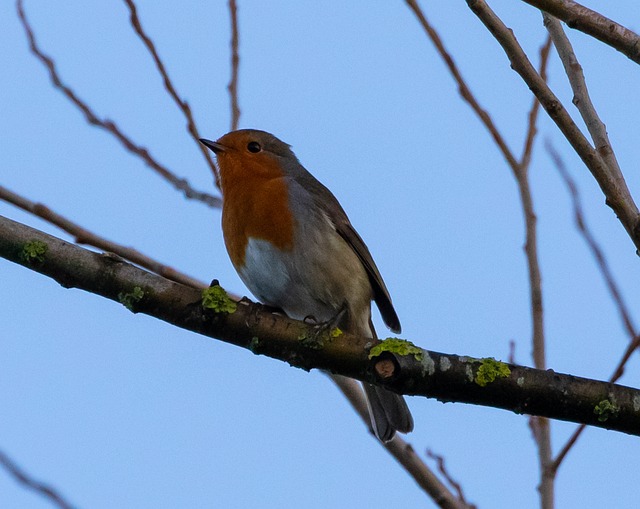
450 480
463 88
23 478
581 98
171 89
613 186
594 24
610 282
110 126
416 372
401 450
232 87
87 237
520 171
540 425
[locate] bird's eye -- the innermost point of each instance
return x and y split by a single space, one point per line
254 147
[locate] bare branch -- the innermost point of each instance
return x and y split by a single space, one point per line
532 130
23 478
400 450
512 352
235 64
84 236
581 98
110 126
553 468
463 88
421 372
520 172
540 425
168 84
595 249
612 286
452 482
613 187
594 24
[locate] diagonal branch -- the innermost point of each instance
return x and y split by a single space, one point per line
109 125
594 24
613 186
452 482
168 84
401 450
616 295
463 88
416 372
84 236
23 478
581 98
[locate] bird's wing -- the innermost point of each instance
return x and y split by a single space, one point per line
380 292
344 228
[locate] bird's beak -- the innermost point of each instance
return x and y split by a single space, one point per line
213 145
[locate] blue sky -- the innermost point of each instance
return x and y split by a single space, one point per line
121 410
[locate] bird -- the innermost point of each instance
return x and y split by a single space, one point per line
293 246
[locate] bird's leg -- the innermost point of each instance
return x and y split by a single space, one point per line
324 330
272 309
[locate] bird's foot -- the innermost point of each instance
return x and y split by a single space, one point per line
323 331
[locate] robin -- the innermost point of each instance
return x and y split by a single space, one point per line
294 247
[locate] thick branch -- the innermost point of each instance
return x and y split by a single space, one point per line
420 373
594 24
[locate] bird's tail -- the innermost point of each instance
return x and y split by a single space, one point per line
388 412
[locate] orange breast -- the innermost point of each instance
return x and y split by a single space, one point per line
255 205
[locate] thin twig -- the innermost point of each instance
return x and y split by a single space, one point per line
540 426
445 473
566 448
168 84
613 186
23 478
463 88
619 371
401 450
520 172
532 130
594 24
235 64
594 247
610 282
84 236
110 126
